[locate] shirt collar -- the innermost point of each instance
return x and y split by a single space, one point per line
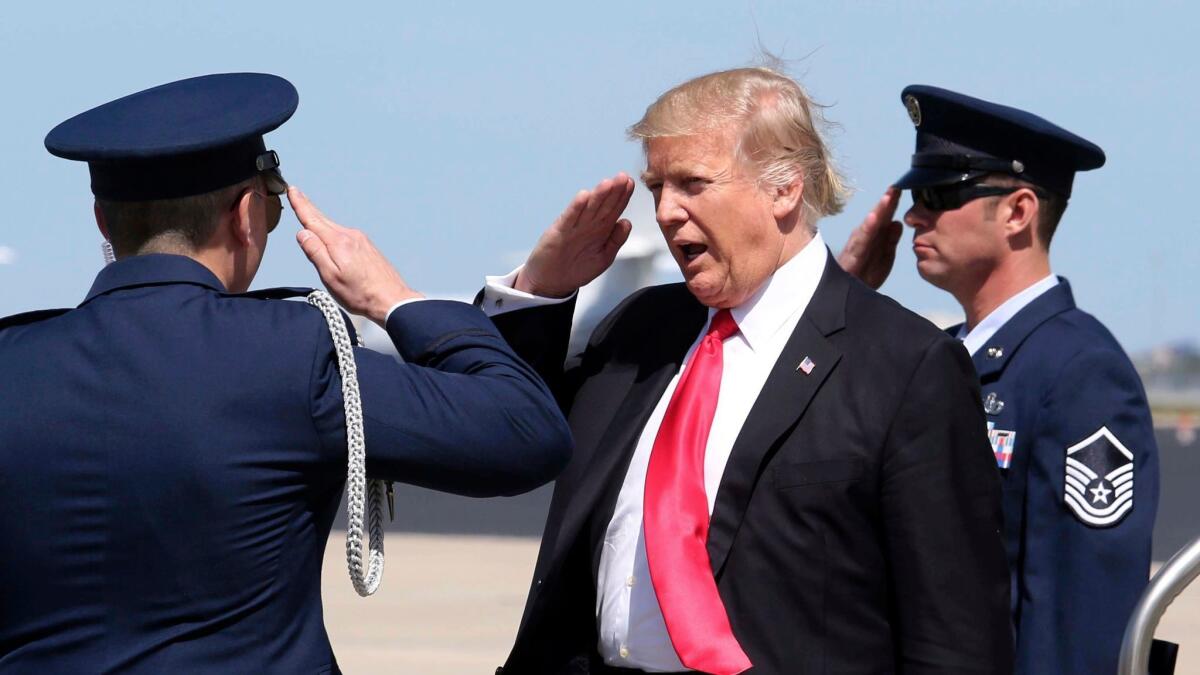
784 294
150 270
977 336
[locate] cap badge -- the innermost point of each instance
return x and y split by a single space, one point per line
1018 166
914 109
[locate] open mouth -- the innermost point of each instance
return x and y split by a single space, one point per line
692 251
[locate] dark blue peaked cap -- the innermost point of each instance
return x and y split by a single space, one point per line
179 139
960 138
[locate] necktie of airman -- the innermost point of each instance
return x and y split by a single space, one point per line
676 516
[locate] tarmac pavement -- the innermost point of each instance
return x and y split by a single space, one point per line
450 605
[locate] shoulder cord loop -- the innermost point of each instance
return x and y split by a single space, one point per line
359 491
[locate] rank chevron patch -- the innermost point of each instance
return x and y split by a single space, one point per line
1099 479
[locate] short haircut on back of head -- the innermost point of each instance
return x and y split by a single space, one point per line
779 130
180 225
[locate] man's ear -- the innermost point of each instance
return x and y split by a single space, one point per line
240 218
788 198
101 222
1020 212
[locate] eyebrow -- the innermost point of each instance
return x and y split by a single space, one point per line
647 176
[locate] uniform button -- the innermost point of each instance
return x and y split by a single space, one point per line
630 581
539 582
624 652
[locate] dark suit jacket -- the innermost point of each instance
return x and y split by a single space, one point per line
857 524
172 455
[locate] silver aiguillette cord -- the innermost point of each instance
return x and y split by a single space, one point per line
359 491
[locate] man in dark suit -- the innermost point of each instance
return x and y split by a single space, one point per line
1066 412
777 470
173 450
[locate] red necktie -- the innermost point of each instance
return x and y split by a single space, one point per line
676 516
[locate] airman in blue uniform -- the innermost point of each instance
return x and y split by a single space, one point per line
172 450
1066 412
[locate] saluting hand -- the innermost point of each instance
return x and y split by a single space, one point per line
581 243
871 249
355 272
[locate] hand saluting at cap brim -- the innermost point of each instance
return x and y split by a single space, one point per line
352 269
870 251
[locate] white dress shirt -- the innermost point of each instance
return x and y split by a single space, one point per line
632 631
974 339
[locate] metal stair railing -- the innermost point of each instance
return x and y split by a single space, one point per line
1181 570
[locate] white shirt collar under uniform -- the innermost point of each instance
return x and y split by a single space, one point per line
979 335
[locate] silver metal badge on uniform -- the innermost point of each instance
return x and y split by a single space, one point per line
992 404
1004 442
1099 479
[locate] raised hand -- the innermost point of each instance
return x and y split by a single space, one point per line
355 272
581 243
871 249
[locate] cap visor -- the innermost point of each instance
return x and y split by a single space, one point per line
923 177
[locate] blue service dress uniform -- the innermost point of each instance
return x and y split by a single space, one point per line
1071 428
172 456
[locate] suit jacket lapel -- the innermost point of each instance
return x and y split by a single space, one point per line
663 347
780 404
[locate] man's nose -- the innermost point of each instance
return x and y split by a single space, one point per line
917 216
669 211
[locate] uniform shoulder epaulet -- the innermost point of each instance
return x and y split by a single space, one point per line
26 318
350 329
281 293
287 292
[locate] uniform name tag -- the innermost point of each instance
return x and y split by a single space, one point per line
1003 444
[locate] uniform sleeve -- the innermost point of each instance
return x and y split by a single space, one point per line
1091 496
461 414
940 495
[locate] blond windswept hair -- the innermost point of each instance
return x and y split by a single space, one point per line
779 130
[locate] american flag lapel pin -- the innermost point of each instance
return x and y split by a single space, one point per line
806 366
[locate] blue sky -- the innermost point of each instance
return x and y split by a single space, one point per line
454 132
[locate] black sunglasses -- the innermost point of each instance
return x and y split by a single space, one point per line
950 197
